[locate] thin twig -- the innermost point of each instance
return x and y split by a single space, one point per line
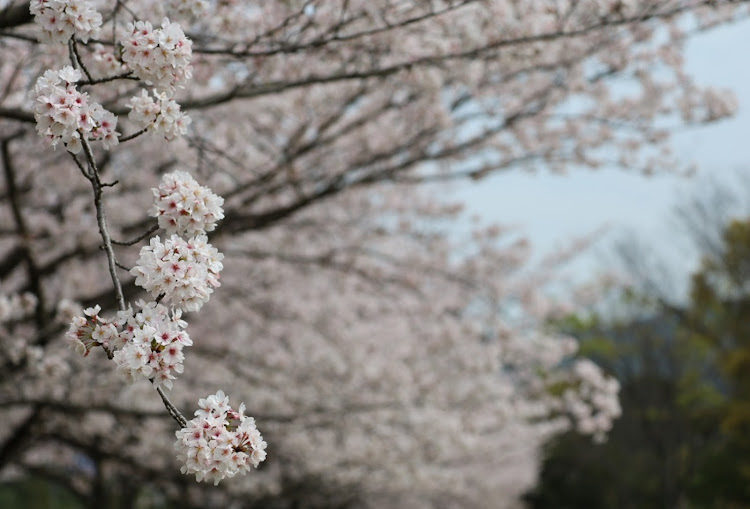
113 264
176 415
123 267
134 135
76 57
80 166
120 3
124 76
102 222
150 231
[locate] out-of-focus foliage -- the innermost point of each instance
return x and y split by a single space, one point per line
684 437
36 494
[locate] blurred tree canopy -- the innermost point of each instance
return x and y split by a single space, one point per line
683 440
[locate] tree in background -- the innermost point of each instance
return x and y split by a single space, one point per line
717 324
651 455
385 362
682 439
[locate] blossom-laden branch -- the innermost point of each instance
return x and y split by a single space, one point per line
182 272
316 121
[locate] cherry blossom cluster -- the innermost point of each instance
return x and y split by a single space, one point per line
161 56
219 442
63 114
187 8
18 349
153 342
91 330
105 61
66 310
185 207
594 404
62 19
16 306
162 116
185 272
145 344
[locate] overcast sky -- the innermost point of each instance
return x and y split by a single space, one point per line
550 209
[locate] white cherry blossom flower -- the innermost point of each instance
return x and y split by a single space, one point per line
184 271
162 117
152 344
62 19
219 442
161 56
63 114
185 207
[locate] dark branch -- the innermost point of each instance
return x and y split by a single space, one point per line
18 437
15 15
32 269
17 114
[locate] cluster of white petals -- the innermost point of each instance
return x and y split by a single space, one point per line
105 62
161 56
219 442
153 341
89 331
16 306
64 114
594 405
184 271
162 116
66 310
62 19
185 207
186 8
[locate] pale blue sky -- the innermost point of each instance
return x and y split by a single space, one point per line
550 209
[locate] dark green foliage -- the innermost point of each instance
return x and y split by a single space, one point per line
36 494
684 438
